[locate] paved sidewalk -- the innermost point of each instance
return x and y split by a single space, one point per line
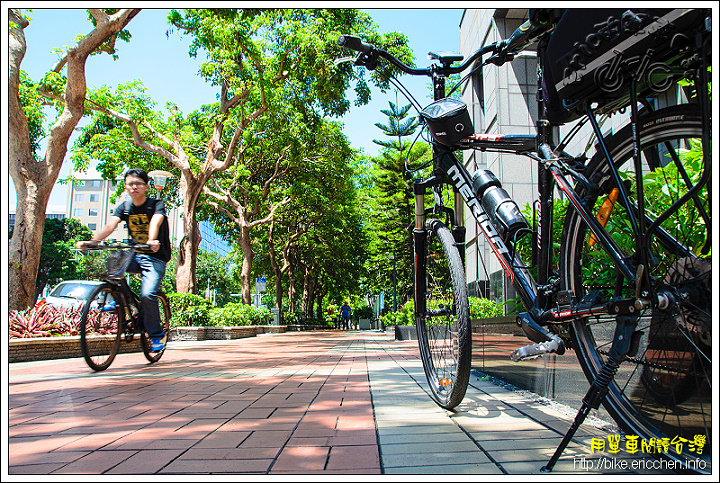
294 403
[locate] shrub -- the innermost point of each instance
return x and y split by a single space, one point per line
235 314
404 316
481 308
188 309
364 311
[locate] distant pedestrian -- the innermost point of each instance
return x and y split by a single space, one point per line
345 311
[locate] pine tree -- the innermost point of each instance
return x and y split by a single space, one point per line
394 199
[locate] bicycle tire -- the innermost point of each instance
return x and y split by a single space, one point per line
664 391
164 306
444 333
101 327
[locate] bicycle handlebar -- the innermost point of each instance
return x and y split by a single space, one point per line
503 51
110 247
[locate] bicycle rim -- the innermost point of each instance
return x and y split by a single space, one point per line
164 306
100 327
444 330
664 391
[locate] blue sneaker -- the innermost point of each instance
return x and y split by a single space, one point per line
109 306
157 343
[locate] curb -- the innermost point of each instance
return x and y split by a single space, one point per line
46 348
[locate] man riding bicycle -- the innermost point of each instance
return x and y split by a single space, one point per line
147 224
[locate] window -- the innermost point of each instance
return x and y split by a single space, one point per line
96 183
77 212
94 198
92 226
79 197
92 212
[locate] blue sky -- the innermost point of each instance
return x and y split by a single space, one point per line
170 75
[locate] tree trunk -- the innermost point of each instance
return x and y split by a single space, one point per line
246 267
34 179
28 233
291 288
186 276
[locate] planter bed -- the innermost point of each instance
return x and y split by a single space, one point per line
44 348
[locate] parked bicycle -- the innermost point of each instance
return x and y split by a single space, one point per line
633 283
112 311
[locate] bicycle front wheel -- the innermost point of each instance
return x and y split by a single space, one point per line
444 333
664 391
164 306
101 327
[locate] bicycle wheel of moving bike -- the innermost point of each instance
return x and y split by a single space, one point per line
164 306
100 327
443 330
664 391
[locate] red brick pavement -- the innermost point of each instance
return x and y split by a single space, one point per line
281 404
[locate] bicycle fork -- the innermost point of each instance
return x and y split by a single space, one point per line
625 343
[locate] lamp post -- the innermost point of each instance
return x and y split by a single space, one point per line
389 257
160 178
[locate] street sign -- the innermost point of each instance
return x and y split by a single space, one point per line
260 284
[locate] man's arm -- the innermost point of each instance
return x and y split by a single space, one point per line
104 232
154 231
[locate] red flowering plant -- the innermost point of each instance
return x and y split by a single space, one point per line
44 321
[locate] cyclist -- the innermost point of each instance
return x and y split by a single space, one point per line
147 223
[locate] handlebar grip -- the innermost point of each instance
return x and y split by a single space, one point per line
354 43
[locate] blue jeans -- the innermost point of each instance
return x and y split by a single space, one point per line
153 271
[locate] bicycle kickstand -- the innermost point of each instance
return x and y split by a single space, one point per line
625 342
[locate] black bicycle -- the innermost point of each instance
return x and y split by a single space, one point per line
631 293
113 311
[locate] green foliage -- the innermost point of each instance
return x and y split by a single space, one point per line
188 309
363 311
32 103
388 202
58 261
404 316
662 187
237 314
482 308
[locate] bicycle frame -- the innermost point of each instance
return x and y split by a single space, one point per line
447 169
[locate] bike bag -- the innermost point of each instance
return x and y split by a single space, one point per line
448 120
593 54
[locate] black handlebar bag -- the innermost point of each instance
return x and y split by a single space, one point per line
593 55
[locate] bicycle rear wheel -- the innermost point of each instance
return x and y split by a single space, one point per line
101 327
665 390
444 333
164 306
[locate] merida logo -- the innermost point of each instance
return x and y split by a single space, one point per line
471 200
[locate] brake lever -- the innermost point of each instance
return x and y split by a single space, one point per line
369 60
339 61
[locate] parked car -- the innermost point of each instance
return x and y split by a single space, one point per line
70 293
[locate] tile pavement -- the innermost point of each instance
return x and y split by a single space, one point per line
283 404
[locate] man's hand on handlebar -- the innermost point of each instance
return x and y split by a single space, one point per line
85 244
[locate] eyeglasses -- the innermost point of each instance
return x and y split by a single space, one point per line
135 185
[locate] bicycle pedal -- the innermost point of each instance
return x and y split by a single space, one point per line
533 351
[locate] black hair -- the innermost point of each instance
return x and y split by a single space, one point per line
138 173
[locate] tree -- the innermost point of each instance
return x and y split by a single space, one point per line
32 176
391 185
253 56
57 260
